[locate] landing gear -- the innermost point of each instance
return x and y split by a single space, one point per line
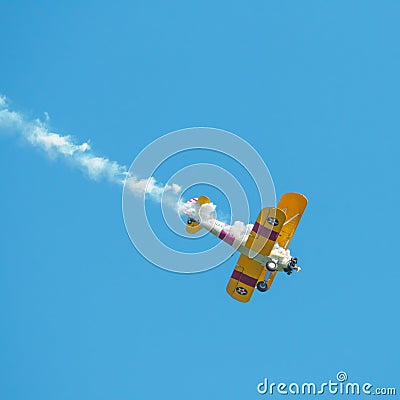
271 266
262 286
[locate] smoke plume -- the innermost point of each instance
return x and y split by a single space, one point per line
38 133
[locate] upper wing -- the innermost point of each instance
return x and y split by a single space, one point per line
261 240
265 231
293 204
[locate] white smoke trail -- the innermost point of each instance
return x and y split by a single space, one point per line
38 134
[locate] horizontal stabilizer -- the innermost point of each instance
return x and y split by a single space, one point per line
192 226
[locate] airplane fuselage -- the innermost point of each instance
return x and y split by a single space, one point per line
217 229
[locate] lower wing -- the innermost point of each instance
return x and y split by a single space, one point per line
244 279
261 241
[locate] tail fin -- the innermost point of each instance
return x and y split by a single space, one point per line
192 226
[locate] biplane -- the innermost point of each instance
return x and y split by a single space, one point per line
257 265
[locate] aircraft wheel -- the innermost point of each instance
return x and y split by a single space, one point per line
271 266
262 286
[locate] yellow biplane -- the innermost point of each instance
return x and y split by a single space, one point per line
258 264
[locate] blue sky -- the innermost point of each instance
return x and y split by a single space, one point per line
313 86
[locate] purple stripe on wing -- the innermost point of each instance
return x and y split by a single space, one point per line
265 232
246 279
236 274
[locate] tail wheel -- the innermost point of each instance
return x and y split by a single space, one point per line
262 286
271 266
